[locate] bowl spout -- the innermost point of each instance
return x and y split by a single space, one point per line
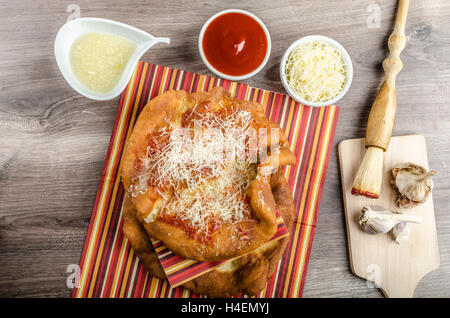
149 42
162 40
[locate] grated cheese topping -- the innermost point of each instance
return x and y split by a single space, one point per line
316 71
200 172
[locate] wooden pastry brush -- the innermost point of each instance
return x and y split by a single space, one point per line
382 115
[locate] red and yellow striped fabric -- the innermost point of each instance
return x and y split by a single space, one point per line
180 270
109 268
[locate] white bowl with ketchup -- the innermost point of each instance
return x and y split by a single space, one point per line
234 44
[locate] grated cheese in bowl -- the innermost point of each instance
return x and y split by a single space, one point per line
315 72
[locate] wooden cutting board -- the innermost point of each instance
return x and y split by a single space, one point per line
395 269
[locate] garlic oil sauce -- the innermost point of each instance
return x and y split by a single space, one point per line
98 59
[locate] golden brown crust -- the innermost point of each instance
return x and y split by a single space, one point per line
139 240
170 106
163 106
248 274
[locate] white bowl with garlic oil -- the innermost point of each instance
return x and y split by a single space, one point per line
97 57
328 42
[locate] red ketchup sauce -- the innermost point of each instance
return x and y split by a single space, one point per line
234 44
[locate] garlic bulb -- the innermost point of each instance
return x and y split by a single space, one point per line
412 183
375 219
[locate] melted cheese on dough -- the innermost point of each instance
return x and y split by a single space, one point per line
204 169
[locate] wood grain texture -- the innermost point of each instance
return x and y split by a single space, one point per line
53 141
395 268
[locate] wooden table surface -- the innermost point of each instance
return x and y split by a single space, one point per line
53 141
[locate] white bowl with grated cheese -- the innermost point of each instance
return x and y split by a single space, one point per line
316 71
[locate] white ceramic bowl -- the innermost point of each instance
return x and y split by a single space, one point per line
345 56
217 72
73 29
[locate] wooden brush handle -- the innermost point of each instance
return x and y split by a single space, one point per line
382 114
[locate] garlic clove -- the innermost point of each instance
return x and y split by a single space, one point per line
400 232
376 219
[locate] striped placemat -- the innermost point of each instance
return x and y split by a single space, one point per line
180 270
109 267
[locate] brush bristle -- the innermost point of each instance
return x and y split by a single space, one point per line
370 174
